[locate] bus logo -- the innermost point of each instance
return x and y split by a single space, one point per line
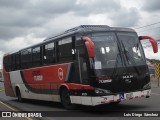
60 73
37 75
127 76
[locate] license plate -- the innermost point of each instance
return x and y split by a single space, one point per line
129 95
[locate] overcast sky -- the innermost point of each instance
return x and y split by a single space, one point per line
26 22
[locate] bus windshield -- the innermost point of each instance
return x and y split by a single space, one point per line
132 48
112 51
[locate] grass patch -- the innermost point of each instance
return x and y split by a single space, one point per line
1 89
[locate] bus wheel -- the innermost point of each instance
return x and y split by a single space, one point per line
65 99
20 99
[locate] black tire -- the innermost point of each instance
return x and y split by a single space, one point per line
65 100
20 99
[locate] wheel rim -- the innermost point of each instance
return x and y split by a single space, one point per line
65 99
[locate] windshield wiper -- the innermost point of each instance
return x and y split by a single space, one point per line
115 66
127 55
114 73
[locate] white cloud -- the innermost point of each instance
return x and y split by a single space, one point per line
25 23
99 19
21 42
150 54
1 57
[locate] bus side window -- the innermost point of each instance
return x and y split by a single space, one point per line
73 47
82 58
26 58
17 66
9 63
36 60
13 62
65 50
49 54
5 62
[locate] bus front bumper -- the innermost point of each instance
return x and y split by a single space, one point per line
98 100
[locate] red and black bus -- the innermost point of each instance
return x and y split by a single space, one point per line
87 65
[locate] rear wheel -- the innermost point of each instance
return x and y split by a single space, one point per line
20 99
65 99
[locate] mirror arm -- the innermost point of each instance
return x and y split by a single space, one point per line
90 46
152 41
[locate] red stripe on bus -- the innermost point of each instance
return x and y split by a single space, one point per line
51 77
73 86
46 77
7 84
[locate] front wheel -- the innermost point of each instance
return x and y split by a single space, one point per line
65 99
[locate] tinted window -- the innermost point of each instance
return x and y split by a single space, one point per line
17 57
49 55
83 62
13 62
65 50
132 48
10 62
106 49
26 58
5 62
36 57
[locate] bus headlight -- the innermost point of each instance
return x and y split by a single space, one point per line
101 91
148 85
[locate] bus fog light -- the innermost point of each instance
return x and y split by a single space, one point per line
101 91
148 85
97 91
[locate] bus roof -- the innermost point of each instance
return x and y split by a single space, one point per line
89 28
82 29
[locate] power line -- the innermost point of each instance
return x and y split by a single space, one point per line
149 45
147 25
148 29
155 34
158 41
147 42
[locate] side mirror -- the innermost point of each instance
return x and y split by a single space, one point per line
152 41
90 46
